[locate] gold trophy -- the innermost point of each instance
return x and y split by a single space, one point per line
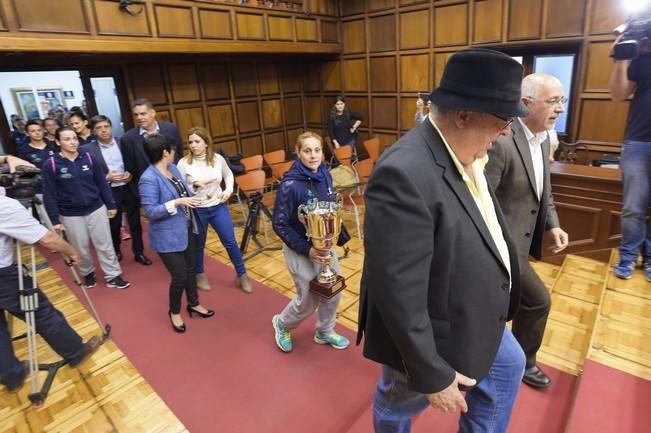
323 220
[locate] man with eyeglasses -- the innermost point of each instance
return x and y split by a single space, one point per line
441 275
518 171
632 77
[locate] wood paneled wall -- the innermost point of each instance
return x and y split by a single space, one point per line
163 26
249 106
393 49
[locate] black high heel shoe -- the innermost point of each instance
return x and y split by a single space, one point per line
208 313
179 329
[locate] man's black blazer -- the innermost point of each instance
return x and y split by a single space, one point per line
133 151
435 294
96 153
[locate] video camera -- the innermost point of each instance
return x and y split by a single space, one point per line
636 36
22 185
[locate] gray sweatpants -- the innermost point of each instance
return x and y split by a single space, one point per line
302 270
93 227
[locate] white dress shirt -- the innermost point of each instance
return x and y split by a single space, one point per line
535 147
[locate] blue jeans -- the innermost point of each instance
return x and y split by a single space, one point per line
635 166
220 219
489 403
50 324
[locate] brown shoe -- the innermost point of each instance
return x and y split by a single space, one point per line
89 348
202 282
245 283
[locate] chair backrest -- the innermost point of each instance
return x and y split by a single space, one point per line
251 182
364 169
275 157
372 147
279 170
344 155
252 162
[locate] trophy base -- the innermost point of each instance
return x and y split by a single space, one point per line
328 290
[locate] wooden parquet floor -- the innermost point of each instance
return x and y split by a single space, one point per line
105 394
594 315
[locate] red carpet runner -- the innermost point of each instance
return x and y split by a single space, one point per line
226 375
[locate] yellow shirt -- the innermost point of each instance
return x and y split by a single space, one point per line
482 198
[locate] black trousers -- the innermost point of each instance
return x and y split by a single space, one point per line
530 320
181 265
126 200
50 324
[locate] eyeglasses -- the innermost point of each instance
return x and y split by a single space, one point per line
508 120
560 100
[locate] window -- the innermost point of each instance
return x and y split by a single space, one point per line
561 67
559 62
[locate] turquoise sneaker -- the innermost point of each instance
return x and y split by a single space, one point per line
283 336
332 338
624 270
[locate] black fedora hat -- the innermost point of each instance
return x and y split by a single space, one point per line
481 80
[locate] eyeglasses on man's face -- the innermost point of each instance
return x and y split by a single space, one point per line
559 100
508 120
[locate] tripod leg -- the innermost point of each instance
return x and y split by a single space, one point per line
250 220
29 304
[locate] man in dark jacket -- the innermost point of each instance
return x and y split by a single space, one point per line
518 171
440 276
108 154
132 143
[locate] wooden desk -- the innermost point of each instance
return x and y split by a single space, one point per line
589 202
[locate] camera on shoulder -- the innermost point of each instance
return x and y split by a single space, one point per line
636 36
22 185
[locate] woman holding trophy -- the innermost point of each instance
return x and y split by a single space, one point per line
307 187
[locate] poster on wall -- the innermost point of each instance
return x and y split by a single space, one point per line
26 103
48 98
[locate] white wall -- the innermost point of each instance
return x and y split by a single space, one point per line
64 80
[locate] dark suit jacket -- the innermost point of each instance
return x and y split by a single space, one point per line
95 151
435 293
133 151
510 172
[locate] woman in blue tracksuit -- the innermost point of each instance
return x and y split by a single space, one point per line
307 179
169 204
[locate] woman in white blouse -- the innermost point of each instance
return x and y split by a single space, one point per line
204 170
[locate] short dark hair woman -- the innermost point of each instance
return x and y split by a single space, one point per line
169 204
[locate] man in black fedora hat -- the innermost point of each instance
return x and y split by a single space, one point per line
440 276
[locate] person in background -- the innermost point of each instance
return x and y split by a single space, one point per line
108 155
343 123
170 206
78 200
633 78
36 150
50 125
204 170
132 141
420 114
308 179
78 121
18 133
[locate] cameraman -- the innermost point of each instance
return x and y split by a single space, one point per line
633 77
16 223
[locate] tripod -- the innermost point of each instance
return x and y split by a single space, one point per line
29 305
251 228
